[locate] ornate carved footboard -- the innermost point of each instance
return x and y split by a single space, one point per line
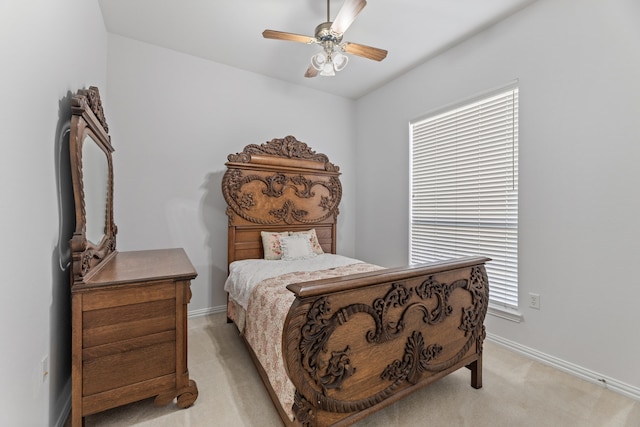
354 346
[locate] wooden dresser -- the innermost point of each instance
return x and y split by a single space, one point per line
129 339
129 309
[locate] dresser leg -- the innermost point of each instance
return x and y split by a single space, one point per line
187 395
77 420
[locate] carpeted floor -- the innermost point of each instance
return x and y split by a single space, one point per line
516 392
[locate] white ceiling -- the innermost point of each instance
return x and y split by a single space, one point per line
230 32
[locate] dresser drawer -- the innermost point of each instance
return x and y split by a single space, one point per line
123 363
107 325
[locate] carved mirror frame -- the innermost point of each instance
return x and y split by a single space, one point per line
89 126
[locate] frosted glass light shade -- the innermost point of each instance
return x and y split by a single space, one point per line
327 70
339 61
318 61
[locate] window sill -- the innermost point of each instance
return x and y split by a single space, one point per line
505 313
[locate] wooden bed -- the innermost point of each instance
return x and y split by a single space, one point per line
354 344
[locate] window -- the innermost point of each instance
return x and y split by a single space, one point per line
464 187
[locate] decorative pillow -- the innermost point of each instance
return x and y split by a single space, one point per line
271 244
313 239
296 247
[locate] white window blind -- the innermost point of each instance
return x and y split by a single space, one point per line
464 186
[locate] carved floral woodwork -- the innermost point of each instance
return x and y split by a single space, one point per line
92 97
326 368
288 147
293 195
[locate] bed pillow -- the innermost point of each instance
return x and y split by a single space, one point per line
296 247
313 240
271 244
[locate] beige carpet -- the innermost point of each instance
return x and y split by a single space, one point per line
516 392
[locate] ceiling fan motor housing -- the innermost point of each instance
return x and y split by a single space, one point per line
324 33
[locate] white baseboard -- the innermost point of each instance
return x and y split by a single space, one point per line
570 368
207 311
66 406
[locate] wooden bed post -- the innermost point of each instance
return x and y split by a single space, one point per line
476 372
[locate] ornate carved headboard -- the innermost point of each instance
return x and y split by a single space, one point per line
281 185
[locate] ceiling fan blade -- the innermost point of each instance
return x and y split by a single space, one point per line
347 14
279 35
311 72
364 51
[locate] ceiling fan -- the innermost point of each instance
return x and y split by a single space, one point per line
329 36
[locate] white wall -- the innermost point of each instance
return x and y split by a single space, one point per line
578 63
48 50
174 119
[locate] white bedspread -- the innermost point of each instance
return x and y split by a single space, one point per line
244 275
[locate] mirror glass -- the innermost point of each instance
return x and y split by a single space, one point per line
95 180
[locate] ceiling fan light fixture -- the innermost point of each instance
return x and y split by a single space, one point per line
329 34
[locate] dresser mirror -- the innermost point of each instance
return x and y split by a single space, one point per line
94 238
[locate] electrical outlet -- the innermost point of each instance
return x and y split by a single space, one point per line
45 368
534 301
